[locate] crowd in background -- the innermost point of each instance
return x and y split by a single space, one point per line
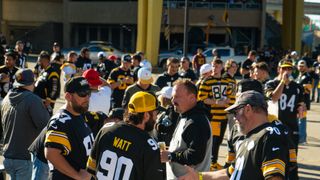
189 113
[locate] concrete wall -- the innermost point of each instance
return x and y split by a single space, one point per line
103 12
237 18
114 13
32 10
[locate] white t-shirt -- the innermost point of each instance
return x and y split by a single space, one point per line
100 100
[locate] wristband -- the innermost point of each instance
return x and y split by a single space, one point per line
282 82
200 175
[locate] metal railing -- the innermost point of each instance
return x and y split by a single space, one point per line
177 4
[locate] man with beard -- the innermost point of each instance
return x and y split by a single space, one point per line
125 150
263 153
68 139
191 142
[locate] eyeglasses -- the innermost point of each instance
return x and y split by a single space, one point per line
236 111
84 93
287 68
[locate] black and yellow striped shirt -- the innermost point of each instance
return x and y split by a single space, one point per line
233 85
217 88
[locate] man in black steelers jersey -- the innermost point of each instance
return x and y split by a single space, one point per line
69 140
7 73
264 152
235 138
125 150
167 78
288 95
119 79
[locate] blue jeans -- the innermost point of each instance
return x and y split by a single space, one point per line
40 170
18 169
314 88
318 97
302 130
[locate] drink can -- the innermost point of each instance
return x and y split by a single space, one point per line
162 145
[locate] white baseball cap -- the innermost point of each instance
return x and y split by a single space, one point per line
205 69
165 92
146 64
302 63
101 54
294 53
145 76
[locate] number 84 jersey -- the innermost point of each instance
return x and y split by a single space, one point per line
264 153
291 96
122 151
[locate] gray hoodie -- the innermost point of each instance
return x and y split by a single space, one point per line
23 116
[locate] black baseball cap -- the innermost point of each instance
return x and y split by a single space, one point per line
24 77
126 58
249 84
76 85
56 44
253 98
116 113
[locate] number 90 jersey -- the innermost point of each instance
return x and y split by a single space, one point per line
122 151
264 153
291 96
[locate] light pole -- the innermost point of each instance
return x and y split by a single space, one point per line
185 29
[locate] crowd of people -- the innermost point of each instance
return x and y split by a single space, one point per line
119 123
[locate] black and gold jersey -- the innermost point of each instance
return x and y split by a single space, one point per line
233 87
116 75
73 137
166 80
21 61
217 88
123 151
47 85
291 96
235 139
305 80
5 86
264 153
95 120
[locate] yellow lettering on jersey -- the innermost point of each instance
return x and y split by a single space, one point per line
121 144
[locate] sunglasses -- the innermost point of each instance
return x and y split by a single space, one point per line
84 93
236 111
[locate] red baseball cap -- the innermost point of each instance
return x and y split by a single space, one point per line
112 57
92 77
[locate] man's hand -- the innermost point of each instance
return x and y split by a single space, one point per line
301 109
285 77
164 156
191 174
4 77
84 175
47 102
